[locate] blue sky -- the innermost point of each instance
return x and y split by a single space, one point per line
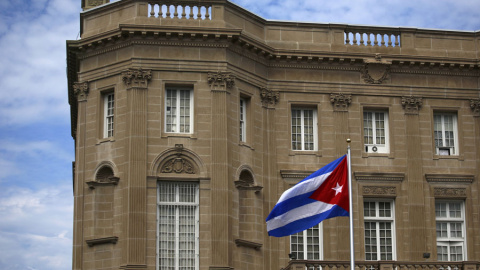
36 149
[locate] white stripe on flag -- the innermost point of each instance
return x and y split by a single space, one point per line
304 187
308 210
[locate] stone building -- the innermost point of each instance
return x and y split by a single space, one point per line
190 118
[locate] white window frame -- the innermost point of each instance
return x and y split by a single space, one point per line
378 220
375 146
301 133
441 146
444 237
310 251
175 204
243 119
175 125
108 114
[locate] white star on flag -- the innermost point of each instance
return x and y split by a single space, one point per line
338 189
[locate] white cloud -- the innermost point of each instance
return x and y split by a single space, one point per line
35 229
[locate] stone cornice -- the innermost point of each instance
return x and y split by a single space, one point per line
449 178
382 177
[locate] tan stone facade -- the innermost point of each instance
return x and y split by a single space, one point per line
238 79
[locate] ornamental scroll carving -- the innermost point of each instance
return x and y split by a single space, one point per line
269 97
475 106
450 192
221 80
380 191
340 102
412 104
178 164
80 89
137 78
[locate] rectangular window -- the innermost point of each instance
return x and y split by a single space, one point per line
379 230
178 219
108 114
445 133
450 230
179 110
242 117
307 245
304 129
375 132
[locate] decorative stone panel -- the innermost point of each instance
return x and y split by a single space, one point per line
221 80
136 78
340 102
80 89
379 191
412 104
179 163
443 192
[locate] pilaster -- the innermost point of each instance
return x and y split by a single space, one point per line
135 189
81 90
221 184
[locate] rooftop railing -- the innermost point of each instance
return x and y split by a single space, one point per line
184 10
383 265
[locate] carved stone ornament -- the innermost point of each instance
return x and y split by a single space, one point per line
340 102
475 106
136 77
95 2
379 191
81 90
221 80
375 73
412 104
269 97
450 192
178 164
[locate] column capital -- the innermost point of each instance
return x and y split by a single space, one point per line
269 97
136 78
475 106
221 80
412 104
81 90
340 102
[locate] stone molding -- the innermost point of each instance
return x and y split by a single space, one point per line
100 241
340 102
375 73
269 97
136 78
449 178
80 89
475 106
382 177
443 192
243 185
222 81
383 191
248 244
412 104
110 181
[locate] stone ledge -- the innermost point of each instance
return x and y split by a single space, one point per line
249 244
100 241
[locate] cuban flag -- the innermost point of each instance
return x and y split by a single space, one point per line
320 196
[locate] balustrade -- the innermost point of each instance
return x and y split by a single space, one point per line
189 11
376 265
367 37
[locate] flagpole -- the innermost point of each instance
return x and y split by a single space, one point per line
352 250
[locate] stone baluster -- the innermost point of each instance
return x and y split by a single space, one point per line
175 11
362 42
390 40
168 12
397 40
207 13
375 42
191 13
152 9
184 14
382 36
199 12
347 38
355 38
369 37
